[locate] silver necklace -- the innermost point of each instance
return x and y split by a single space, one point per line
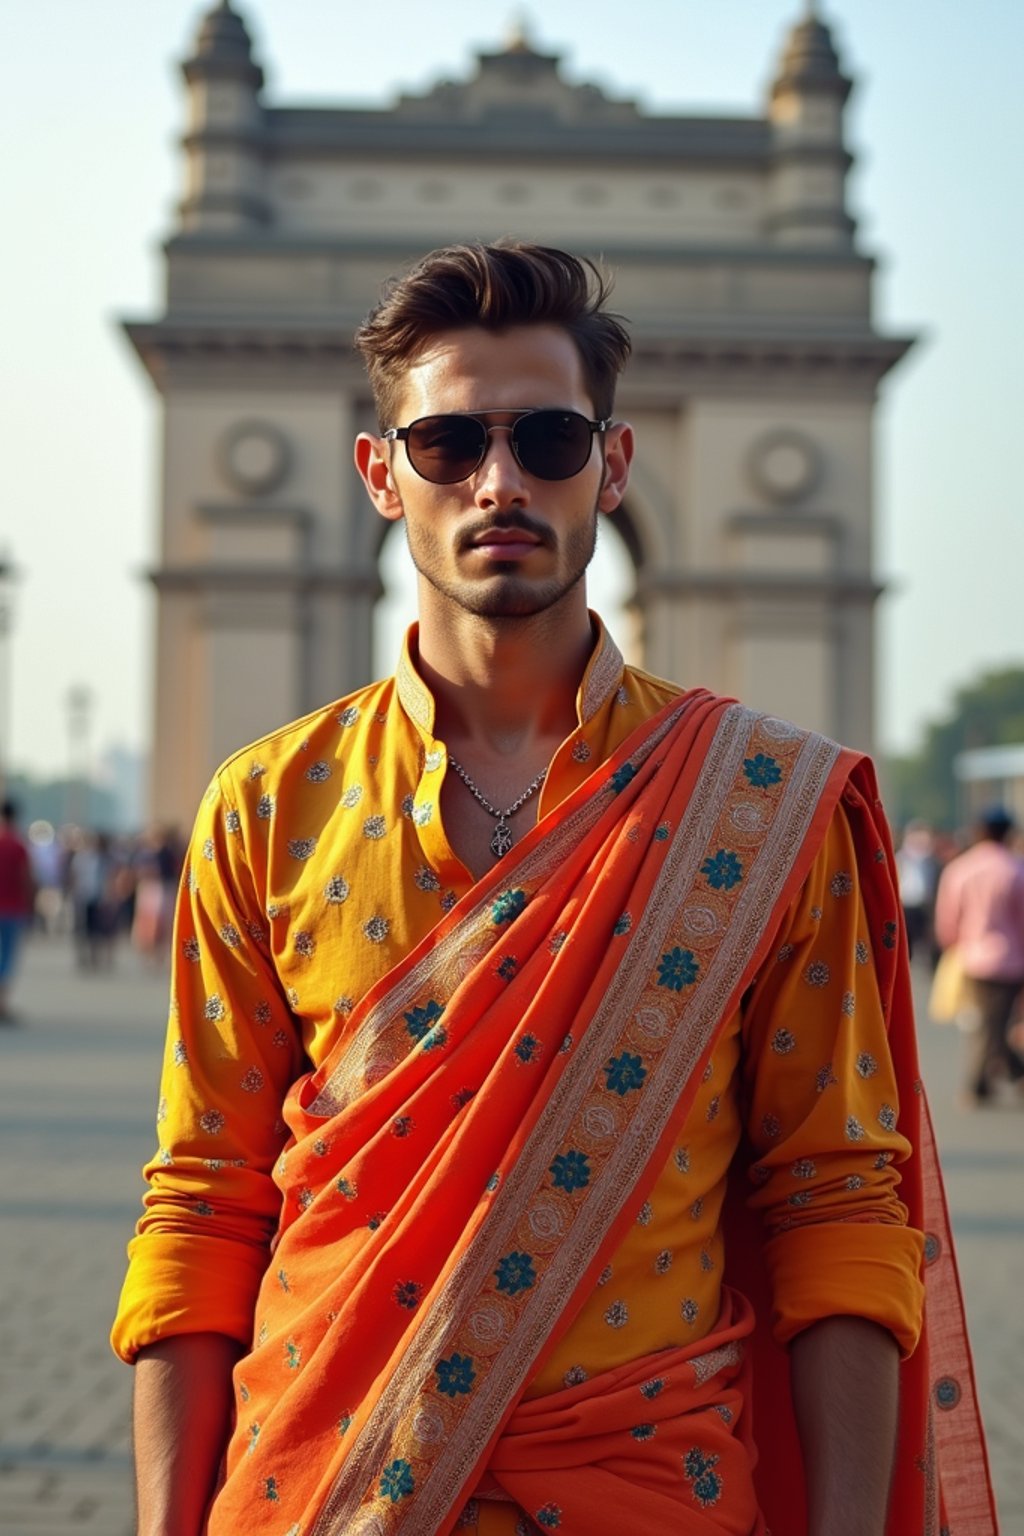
501 841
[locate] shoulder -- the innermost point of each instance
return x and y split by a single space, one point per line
309 746
742 716
647 686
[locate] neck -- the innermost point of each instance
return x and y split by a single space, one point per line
505 687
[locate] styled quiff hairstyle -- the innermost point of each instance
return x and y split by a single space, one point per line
493 286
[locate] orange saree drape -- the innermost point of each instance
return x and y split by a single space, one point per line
462 1164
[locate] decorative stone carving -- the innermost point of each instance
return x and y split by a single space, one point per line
784 466
253 457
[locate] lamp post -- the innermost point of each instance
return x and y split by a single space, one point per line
79 701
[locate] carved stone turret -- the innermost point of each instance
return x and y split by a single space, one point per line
224 177
805 110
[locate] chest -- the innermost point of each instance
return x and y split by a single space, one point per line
477 836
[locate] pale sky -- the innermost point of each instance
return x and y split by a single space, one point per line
90 112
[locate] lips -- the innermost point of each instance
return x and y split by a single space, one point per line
513 537
498 544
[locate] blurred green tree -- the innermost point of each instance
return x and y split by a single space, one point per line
988 712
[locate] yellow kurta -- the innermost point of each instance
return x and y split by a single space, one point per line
319 859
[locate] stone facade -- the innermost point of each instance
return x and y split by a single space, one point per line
752 385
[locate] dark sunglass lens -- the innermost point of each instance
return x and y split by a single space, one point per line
553 445
446 448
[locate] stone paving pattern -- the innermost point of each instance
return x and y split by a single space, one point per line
78 1079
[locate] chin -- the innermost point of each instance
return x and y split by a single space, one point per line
509 597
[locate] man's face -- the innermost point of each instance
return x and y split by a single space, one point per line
503 543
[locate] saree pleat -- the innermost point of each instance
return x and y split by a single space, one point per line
613 1447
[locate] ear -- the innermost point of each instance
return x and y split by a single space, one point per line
619 443
373 461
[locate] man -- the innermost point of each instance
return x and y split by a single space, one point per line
17 895
980 911
526 941
917 872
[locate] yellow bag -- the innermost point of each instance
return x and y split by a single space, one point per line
948 995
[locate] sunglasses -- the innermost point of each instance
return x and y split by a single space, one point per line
552 445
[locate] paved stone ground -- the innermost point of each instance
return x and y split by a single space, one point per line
77 1096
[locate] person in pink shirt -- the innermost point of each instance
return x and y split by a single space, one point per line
980 909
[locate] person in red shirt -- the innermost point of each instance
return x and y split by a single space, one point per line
15 899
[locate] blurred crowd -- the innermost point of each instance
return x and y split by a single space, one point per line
963 901
100 889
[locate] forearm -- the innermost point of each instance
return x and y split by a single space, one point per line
182 1417
844 1373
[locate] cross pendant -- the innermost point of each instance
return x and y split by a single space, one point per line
501 842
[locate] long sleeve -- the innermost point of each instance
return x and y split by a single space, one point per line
232 1052
823 1114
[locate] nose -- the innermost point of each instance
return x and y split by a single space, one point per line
499 480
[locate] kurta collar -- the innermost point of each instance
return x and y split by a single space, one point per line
601 679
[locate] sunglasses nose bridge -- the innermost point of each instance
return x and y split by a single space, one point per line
487 455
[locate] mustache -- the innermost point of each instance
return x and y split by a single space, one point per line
518 522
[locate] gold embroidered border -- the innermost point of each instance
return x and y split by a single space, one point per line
413 693
604 676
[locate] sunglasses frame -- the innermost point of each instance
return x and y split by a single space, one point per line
401 435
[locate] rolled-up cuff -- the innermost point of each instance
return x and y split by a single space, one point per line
855 1269
186 1285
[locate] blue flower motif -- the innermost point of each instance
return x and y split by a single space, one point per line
515 1272
408 1294
492 1183
677 969
397 1481
508 906
621 777
762 771
270 1490
507 967
661 833
623 925
570 1171
420 1021
527 1047
435 1040
708 1489
455 1376
624 1072
723 870
643 1431
696 1462
707 1484
549 1516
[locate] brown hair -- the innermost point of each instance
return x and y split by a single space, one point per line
494 286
